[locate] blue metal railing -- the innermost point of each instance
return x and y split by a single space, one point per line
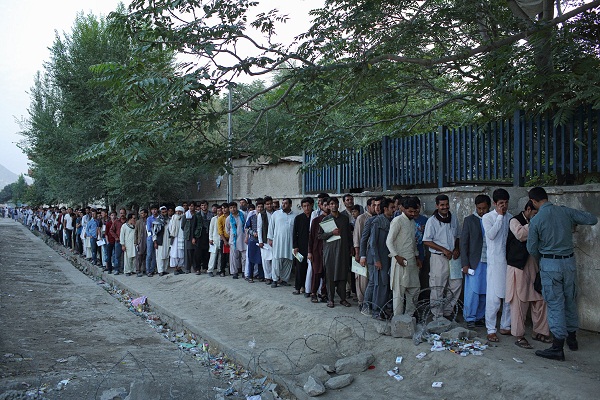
511 151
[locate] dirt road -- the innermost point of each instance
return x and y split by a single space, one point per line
58 325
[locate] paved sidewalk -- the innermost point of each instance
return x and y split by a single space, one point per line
281 335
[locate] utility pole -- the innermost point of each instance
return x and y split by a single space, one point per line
230 160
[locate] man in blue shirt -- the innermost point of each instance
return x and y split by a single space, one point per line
150 253
91 231
551 240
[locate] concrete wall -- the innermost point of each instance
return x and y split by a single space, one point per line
279 180
254 180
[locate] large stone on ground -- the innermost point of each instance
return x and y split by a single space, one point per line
403 326
143 390
329 368
439 326
314 387
459 333
318 372
383 327
338 382
114 394
356 363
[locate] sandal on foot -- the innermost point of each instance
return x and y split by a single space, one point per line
492 337
504 332
330 304
296 292
523 343
314 298
345 303
541 338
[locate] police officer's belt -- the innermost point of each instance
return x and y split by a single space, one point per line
558 257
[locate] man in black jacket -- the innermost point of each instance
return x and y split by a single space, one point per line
474 262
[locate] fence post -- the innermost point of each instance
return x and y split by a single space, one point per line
385 164
339 175
441 149
518 148
303 169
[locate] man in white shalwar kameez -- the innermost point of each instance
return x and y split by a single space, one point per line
280 235
496 225
177 237
87 246
214 242
127 241
262 229
404 273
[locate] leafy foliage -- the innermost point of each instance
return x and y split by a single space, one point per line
85 136
363 69
17 192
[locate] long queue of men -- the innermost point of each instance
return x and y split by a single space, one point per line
389 255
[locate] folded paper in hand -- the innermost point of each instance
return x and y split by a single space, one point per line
329 226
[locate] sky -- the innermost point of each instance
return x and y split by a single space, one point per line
27 29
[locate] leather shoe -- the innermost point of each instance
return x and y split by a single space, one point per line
555 352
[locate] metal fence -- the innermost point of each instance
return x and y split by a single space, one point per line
518 151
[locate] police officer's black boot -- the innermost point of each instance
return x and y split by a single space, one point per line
572 341
555 352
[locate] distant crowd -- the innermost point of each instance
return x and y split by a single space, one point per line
388 256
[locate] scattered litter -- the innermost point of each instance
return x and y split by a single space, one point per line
371 367
421 355
61 385
438 346
391 373
139 301
240 380
62 360
30 290
398 377
518 360
33 393
437 384
462 346
399 360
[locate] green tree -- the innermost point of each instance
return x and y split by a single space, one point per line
6 194
367 68
86 136
19 190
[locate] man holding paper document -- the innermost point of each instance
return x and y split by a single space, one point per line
300 243
473 255
337 252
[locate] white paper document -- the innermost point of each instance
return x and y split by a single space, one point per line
455 269
298 256
328 226
358 269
